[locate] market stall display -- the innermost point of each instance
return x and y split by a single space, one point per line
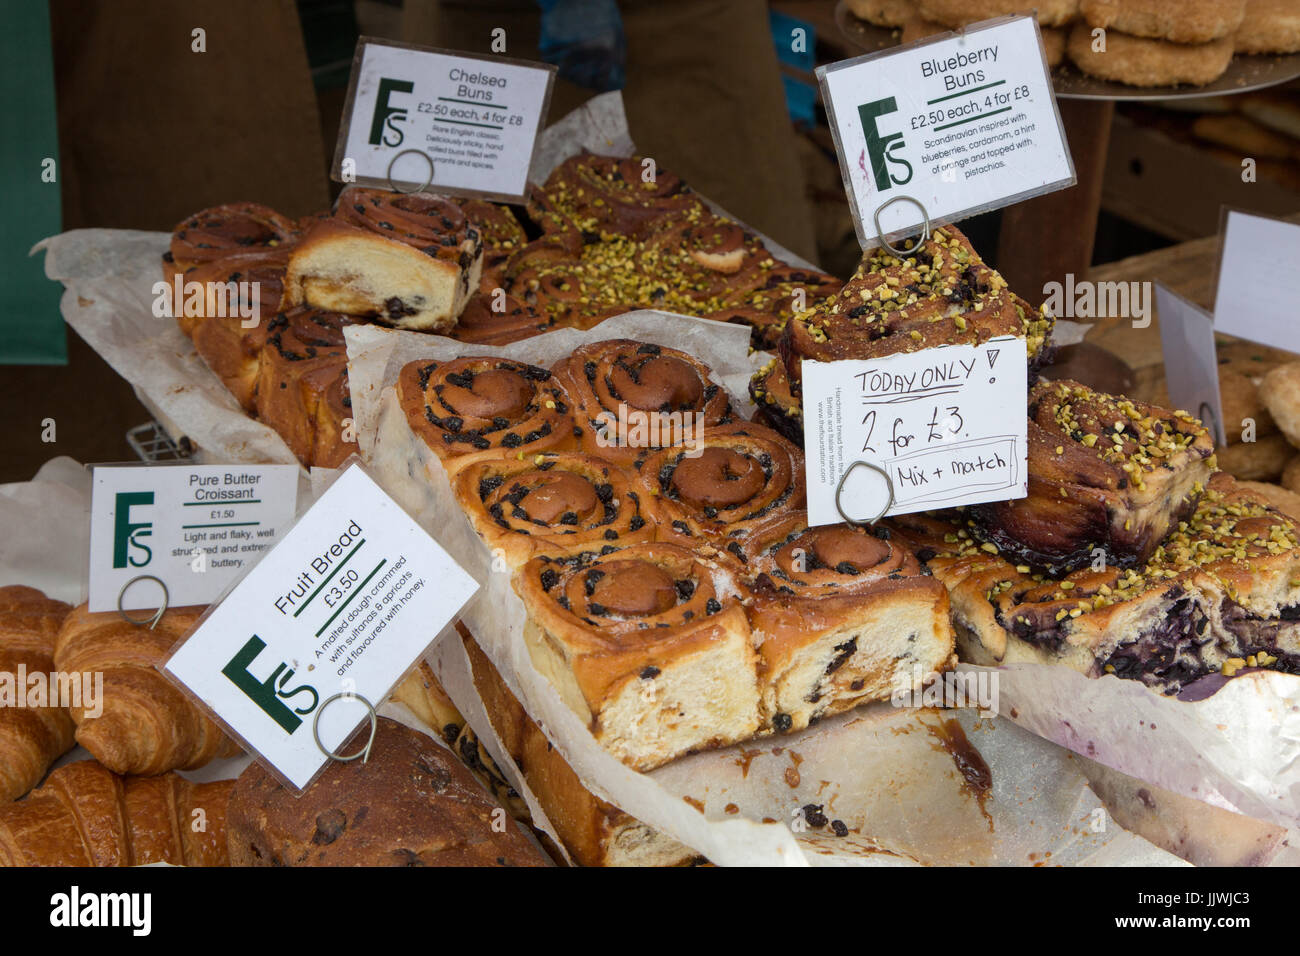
593 400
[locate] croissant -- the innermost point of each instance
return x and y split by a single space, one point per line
86 815
148 725
31 738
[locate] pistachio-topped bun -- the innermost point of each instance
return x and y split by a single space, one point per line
1108 478
940 293
1220 593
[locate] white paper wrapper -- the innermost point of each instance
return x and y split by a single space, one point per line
108 275
1239 749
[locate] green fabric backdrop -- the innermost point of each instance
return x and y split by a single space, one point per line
31 329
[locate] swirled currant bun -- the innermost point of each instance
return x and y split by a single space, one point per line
470 406
632 398
222 231
555 503
842 616
302 384
649 645
722 483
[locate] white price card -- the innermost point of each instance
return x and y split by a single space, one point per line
345 604
946 128
420 118
947 425
1191 360
1259 282
195 528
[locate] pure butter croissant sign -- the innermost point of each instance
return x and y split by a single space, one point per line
345 604
947 425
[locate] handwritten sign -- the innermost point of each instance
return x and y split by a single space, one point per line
956 125
1259 284
946 425
347 601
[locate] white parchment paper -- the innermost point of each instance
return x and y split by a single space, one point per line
1238 749
108 277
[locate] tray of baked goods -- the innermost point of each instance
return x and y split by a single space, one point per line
593 403
1115 49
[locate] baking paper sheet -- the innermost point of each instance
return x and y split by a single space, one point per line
1239 749
108 277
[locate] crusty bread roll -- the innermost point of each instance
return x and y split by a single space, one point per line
883 13
412 803
1259 460
959 13
1290 479
1281 392
1244 136
1269 26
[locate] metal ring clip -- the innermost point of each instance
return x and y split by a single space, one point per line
393 162
364 752
889 483
153 620
880 233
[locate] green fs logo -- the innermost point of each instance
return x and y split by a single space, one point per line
128 549
880 149
270 694
384 130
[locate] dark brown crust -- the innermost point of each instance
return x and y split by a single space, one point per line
411 804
